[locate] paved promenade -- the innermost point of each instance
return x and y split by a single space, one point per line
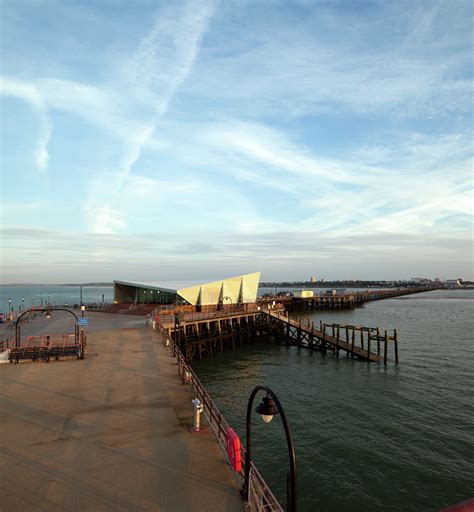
107 433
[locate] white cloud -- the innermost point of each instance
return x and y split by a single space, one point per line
29 93
279 255
407 185
104 219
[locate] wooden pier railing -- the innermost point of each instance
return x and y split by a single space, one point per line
356 340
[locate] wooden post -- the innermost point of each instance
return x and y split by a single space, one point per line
353 341
185 341
240 331
386 348
209 350
395 342
362 338
378 341
337 340
368 344
232 332
220 333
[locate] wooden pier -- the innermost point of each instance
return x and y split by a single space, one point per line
366 343
339 300
202 334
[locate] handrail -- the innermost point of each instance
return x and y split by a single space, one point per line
263 497
170 318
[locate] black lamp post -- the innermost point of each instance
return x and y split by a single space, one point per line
270 406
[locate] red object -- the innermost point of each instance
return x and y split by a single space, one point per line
233 449
465 506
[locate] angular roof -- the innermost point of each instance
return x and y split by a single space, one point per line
148 286
231 290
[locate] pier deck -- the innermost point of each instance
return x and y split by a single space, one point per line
108 433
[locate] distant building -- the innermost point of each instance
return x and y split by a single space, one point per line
453 283
303 294
314 280
420 280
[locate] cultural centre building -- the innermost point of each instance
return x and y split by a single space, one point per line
232 290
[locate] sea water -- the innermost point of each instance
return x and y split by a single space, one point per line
58 295
368 437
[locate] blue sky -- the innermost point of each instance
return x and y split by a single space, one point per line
192 140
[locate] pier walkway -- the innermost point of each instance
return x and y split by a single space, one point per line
108 433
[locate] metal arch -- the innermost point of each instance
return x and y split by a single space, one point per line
17 323
291 478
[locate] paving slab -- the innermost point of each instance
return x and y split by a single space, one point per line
109 432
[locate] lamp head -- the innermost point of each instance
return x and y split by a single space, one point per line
267 409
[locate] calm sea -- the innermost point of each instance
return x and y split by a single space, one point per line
38 294
368 437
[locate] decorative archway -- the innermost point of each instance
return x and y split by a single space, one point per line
46 312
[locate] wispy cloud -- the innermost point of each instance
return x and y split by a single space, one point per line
161 63
31 94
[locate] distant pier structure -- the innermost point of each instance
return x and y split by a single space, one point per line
302 302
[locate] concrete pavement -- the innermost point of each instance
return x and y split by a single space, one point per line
107 433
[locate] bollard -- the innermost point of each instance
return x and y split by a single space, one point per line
198 408
186 377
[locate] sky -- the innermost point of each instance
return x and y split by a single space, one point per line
147 140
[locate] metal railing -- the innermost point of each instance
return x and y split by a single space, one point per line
261 498
44 346
206 315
